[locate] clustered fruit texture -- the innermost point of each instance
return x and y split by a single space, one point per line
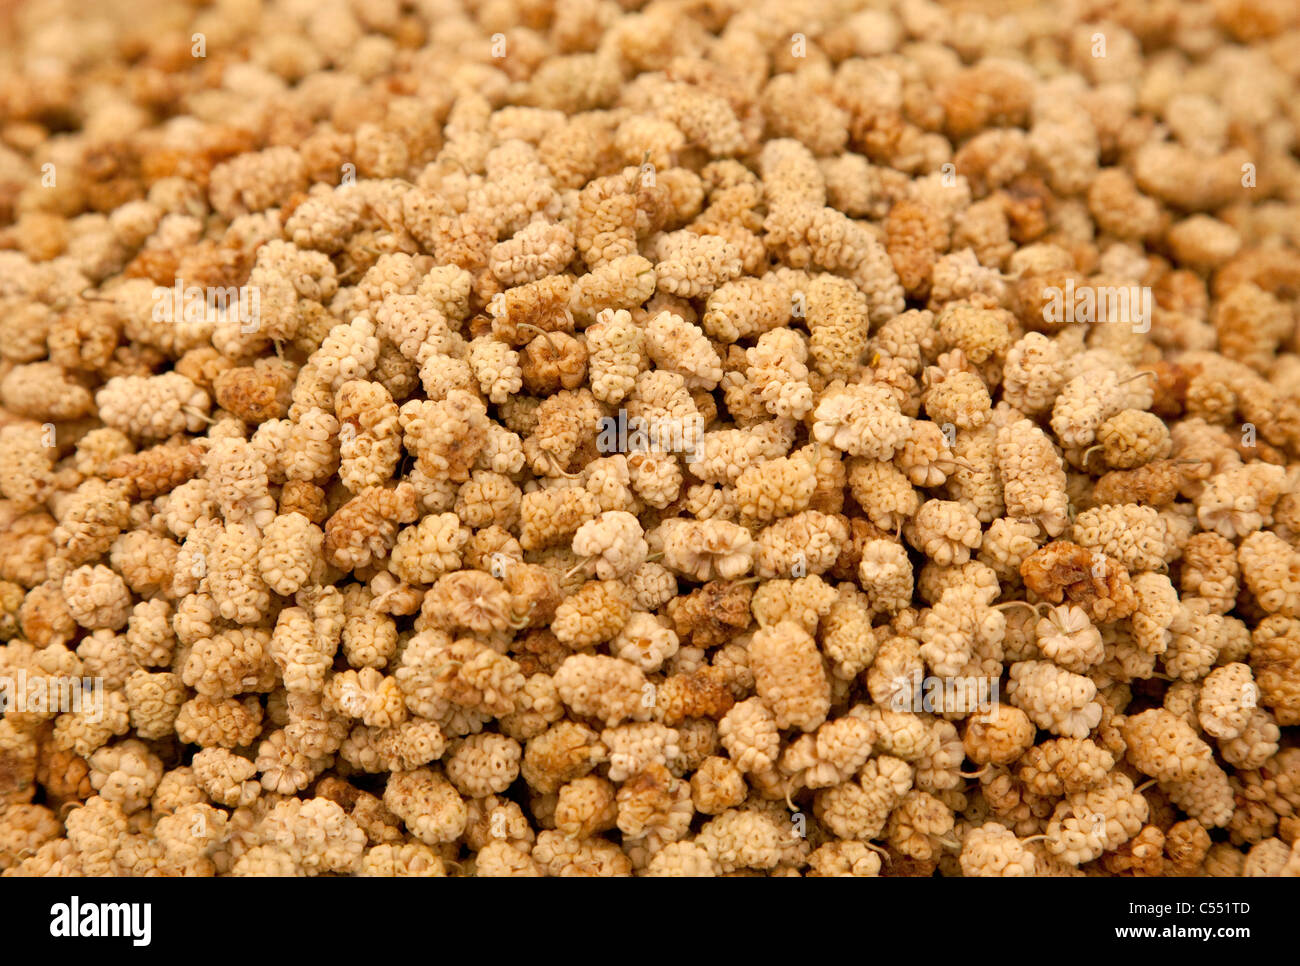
371 586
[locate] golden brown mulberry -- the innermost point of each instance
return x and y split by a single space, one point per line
712 614
554 361
916 236
1154 484
365 527
1093 580
700 694
594 614
1273 658
1063 766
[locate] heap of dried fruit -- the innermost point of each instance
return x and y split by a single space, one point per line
666 438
